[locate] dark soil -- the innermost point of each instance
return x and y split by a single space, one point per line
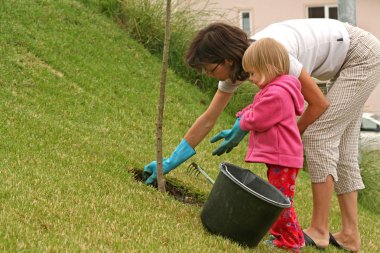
174 189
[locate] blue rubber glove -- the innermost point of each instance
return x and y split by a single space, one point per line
232 137
183 152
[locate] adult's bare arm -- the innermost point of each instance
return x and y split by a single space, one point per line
317 101
204 124
186 149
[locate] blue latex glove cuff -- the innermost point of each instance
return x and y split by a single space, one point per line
183 152
232 137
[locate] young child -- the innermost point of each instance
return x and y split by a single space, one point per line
275 139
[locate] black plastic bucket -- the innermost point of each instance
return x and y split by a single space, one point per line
242 206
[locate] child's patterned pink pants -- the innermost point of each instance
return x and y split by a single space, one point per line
286 230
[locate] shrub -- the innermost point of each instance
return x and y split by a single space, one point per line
145 22
370 170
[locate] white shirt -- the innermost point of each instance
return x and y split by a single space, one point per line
318 45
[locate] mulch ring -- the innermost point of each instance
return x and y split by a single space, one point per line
174 189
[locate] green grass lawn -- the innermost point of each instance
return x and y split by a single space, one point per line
78 105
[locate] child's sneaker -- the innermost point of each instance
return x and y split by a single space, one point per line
270 243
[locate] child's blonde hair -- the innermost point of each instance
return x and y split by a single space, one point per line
268 57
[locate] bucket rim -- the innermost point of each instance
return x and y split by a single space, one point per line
224 169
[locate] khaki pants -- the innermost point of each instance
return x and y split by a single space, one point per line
331 143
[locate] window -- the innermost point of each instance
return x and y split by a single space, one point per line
245 17
327 11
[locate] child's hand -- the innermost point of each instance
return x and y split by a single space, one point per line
232 137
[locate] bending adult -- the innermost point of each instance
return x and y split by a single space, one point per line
322 48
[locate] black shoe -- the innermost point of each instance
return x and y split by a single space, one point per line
310 242
334 243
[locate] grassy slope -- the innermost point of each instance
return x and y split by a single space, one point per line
78 106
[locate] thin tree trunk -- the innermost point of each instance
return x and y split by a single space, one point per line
165 58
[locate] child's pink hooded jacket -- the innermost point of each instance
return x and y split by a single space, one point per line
271 118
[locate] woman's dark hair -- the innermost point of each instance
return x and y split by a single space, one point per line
215 44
